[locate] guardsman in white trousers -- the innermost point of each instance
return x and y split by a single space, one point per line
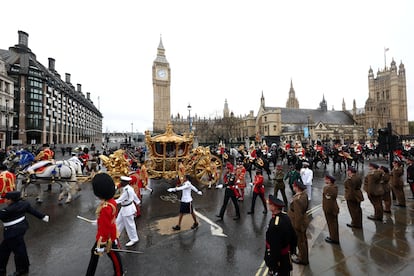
126 215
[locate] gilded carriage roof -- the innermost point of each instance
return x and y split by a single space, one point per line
169 136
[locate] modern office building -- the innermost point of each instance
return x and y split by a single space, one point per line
46 108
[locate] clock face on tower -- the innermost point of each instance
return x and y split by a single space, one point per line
161 73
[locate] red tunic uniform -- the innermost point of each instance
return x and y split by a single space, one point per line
46 154
240 176
106 214
258 184
7 184
106 236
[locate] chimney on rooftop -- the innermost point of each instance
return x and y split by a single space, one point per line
67 77
79 86
88 95
23 39
51 64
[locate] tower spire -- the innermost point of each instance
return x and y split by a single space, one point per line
292 101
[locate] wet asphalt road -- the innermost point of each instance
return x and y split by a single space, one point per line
62 246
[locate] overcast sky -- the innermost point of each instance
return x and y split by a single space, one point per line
217 50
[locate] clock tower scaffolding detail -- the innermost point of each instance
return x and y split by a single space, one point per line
161 81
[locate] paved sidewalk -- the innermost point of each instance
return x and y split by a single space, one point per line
380 248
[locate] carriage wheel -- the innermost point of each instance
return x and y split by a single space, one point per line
208 170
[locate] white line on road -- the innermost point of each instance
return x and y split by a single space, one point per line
215 229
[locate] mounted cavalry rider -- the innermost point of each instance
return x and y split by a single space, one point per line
319 148
252 152
265 148
43 158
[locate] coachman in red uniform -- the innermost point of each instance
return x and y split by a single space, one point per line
106 236
258 191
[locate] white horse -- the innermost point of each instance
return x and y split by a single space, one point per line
72 162
63 173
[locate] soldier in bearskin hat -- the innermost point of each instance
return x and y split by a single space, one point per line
106 236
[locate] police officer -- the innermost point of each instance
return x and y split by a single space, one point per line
280 239
15 226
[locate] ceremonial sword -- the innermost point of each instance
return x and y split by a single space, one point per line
126 251
86 219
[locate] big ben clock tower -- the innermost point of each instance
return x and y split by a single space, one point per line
161 81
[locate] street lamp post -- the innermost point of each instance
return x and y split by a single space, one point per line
7 124
309 133
190 126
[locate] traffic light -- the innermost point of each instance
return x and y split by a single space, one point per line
395 142
384 138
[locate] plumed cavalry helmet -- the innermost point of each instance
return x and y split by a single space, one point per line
103 186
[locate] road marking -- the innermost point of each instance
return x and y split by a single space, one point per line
170 197
262 266
215 229
313 210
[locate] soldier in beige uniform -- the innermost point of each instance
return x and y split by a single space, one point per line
330 208
300 222
387 189
353 197
375 191
280 184
397 183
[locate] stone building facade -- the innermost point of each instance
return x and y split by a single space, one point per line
47 108
387 102
6 106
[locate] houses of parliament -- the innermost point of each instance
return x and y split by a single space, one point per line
386 103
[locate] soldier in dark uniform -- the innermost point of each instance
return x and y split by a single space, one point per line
292 176
300 222
375 191
410 175
230 193
15 226
280 240
330 208
106 236
353 197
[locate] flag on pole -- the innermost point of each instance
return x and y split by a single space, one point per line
386 49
